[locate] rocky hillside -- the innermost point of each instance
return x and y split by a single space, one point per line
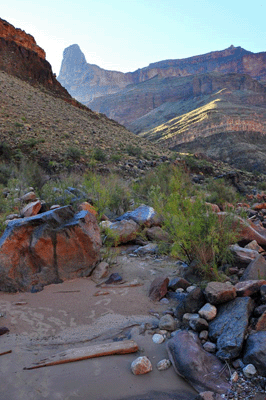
40 120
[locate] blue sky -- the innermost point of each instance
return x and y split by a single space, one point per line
125 35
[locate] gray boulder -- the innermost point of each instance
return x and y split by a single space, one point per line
256 270
230 326
204 371
143 215
255 351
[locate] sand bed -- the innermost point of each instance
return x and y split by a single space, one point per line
69 315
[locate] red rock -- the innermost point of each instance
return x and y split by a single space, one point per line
48 248
31 209
248 288
261 324
259 206
158 288
88 207
219 292
246 230
141 365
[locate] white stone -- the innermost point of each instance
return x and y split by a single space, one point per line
249 371
157 338
208 311
163 364
190 288
141 365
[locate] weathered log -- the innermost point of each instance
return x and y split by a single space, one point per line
84 353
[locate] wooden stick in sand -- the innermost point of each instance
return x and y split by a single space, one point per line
5 352
83 353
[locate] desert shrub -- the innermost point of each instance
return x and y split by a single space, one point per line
74 152
115 157
157 181
107 192
134 150
5 151
99 155
195 232
5 173
221 192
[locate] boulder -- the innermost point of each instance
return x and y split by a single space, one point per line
219 292
261 324
191 303
30 196
256 270
255 351
248 288
100 272
123 231
48 248
143 215
204 371
156 233
247 230
158 288
150 248
87 207
254 246
31 209
243 255
230 326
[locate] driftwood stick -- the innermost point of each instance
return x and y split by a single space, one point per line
83 353
5 352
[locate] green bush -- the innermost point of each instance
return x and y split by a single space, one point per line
196 233
74 152
221 193
134 150
99 155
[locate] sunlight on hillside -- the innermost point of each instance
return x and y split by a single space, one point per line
182 123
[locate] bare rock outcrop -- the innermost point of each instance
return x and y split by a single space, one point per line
48 248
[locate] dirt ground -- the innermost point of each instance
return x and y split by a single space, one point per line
71 315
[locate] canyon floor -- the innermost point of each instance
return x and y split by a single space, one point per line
72 315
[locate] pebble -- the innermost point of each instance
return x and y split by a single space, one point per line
209 347
157 338
164 301
208 311
249 371
167 322
141 365
163 364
